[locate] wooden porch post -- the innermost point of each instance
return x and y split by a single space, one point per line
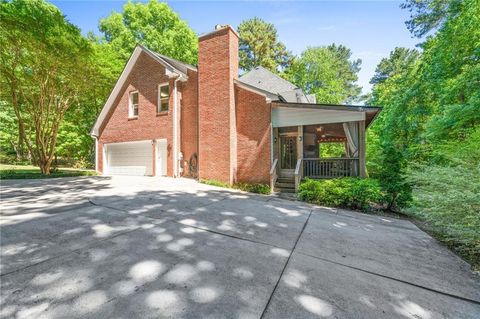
276 142
300 142
361 148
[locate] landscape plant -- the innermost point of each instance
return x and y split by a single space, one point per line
349 192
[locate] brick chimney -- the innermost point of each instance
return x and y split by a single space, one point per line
217 68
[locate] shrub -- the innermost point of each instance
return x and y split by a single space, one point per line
448 200
349 192
397 190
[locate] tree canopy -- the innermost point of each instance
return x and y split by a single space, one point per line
428 15
429 130
259 46
45 67
328 72
153 24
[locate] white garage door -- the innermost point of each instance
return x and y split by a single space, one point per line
132 158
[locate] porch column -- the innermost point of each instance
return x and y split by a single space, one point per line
300 142
275 142
361 148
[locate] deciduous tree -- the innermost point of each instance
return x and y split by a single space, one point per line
153 24
328 72
44 68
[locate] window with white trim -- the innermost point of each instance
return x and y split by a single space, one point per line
163 97
133 105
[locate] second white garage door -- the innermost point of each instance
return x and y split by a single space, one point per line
131 158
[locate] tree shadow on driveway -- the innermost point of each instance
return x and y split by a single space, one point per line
166 248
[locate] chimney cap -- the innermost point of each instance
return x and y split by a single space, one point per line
219 27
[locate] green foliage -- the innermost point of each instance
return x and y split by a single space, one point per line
398 59
74 141
428 133
427 15
349 192
448 199
246 187
332 149
44 67
397 191
259 46
328 72
153 24
9 140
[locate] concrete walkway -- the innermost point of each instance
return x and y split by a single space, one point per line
140 247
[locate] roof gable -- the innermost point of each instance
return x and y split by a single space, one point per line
176 64
173 68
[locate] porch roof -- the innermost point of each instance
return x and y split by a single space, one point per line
370 112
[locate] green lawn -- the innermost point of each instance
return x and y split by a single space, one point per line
29 172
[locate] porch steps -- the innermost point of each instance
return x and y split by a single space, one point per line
285 185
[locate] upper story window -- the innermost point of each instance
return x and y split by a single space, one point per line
133 105
163 97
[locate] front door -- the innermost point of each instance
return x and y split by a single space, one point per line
288 155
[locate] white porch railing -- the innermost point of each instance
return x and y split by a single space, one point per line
330 167
273 174
298 173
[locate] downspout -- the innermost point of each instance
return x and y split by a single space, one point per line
96 154
176 126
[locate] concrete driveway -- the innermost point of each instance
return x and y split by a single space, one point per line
134 247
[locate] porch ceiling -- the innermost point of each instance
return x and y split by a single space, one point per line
286 114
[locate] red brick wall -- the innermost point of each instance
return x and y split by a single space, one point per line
188 119
217 67
144 77
253 137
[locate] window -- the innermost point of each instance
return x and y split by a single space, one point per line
163 97
133 109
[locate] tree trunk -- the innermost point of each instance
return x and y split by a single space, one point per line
45 167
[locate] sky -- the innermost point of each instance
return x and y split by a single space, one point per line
371 29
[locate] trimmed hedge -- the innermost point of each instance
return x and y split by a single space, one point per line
348 192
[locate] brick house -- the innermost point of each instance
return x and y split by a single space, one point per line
165 117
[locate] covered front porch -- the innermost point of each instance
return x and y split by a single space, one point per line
318 141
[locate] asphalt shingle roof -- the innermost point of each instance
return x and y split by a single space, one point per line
264 79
